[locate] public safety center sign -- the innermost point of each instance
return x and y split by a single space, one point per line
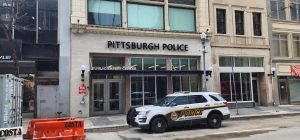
146 46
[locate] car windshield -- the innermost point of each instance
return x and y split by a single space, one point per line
166 101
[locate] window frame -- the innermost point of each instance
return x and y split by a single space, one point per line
279 45
146 4
297 4
242 25
260 24
195 16
225 21
278 12
298 40
110 26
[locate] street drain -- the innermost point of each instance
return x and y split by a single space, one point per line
228 135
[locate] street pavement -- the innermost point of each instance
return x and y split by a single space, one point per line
278 128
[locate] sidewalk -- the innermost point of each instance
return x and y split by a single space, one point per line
113 122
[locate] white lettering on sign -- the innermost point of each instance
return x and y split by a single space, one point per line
2 57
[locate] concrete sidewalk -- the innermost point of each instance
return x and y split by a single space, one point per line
116 122
119 121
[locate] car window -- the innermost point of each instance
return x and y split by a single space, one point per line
216 97
194 99
181 100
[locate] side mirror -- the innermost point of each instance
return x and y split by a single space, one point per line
173 104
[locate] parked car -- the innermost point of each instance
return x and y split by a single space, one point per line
181 108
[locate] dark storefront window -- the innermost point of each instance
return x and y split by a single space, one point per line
186 83
147 90
104 12
225 86
184 64
149 63
29 92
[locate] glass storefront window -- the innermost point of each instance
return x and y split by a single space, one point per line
241 61
184 64
136 91
182 19
256 62
175 64
149 64
186 83
193 64
104 12
225 61
161 64
237 86
137 63
225 86
114 62
145 16
149 90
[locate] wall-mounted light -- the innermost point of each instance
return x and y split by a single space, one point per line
272 72
209 71
82 68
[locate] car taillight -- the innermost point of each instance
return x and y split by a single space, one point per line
226 103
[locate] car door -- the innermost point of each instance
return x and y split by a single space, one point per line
177 111
197 105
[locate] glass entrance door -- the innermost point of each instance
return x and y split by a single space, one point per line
106 97
283 92
256 94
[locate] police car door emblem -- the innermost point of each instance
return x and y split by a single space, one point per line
174 116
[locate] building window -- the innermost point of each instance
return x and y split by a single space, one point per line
186 83
295 10
221 21
239 23
184 64
182 19
296 46
104 12
187 2
278 9
236 86
147 90
148 63
280 45
257 24
228 61
145 16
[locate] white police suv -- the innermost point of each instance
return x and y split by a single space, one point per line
180 108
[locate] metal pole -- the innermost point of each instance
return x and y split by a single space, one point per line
233 77
204 67
37 22
13 21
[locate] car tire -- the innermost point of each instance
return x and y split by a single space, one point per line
158 125
214 121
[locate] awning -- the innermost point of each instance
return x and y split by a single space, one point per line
145 72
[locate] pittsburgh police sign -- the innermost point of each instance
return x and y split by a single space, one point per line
146 46
14 133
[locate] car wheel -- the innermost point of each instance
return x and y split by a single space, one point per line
214 121
158 125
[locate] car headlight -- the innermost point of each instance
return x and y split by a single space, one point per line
144 112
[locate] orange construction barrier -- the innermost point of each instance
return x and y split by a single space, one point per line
62 130
31 123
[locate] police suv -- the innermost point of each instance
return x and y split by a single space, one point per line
180 108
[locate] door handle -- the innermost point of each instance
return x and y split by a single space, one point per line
186 107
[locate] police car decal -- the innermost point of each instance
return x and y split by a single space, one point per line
188 114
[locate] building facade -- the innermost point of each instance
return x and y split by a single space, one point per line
285 16
241 51
35 33
134 52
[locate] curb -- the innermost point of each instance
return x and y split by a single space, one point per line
233 118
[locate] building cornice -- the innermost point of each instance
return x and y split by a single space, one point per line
85 29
